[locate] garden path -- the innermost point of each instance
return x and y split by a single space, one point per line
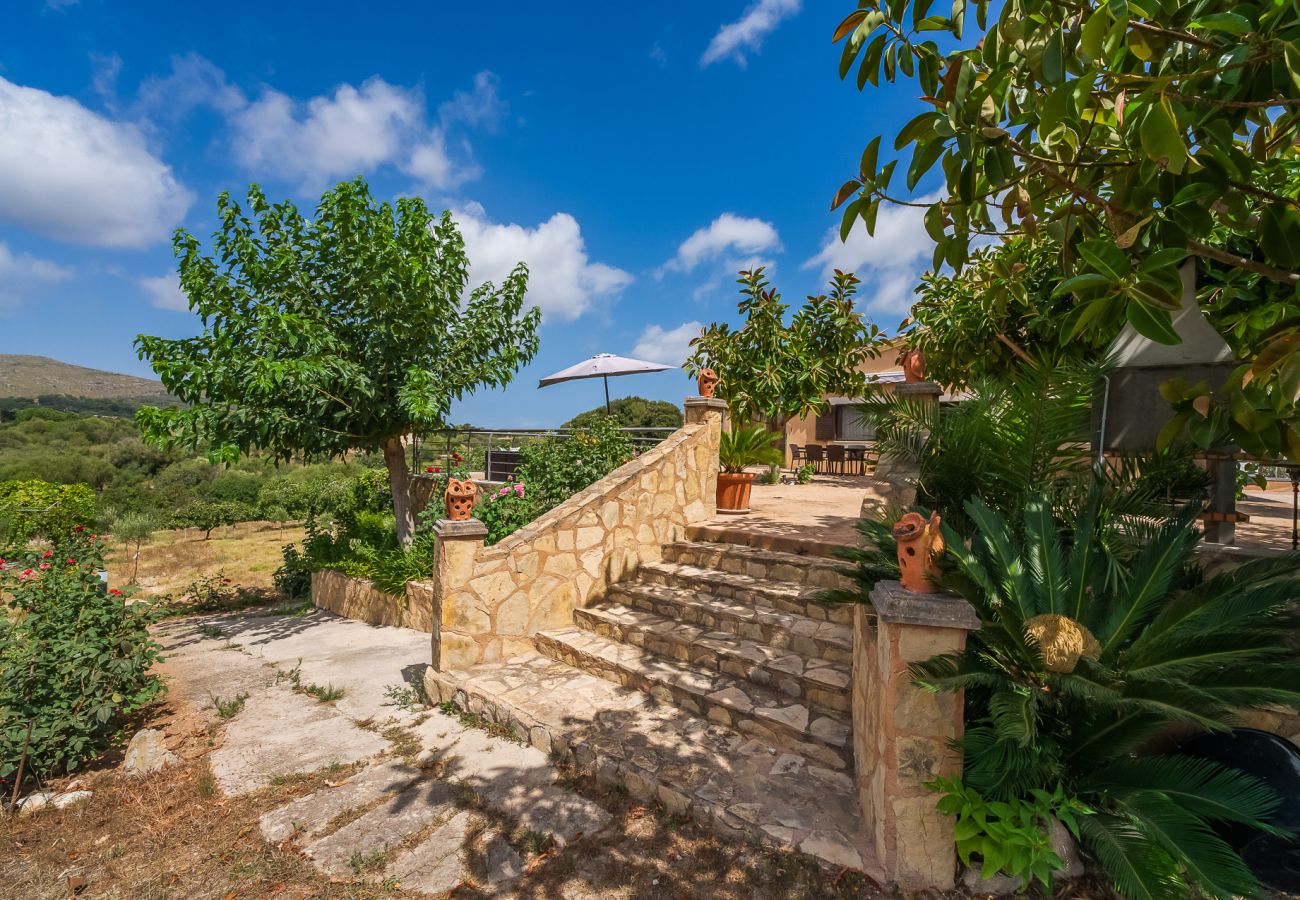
420 798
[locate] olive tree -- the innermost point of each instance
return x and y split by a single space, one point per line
334 334
1132 134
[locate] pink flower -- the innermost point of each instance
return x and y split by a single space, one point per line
503 491
44 566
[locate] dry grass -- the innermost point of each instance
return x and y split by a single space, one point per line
247 553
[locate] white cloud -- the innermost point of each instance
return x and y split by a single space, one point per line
193 82
727 233
561 278
670 346
357 129
164 292
747 32
328 137
481 107
19 273
890 262
74 175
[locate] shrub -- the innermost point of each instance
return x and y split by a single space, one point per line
558 468
1076 668
39 509
293 578
74 658
506 511
749 446
212 514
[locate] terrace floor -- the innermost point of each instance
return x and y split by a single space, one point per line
811 519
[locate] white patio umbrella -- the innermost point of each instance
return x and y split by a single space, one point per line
603 365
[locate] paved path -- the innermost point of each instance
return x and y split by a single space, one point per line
430 829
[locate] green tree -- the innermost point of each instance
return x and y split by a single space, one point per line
998 313
771 371
1130 133
632 412
137 528
343 332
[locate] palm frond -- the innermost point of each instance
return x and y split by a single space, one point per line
1046 559
1201 786
1140 869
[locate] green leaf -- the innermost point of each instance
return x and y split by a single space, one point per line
1106 258
1162 139
1082 283
923 158
867 165
1228 22
1155 324
1094 33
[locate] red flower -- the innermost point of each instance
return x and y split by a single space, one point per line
72 562
428 468
47 554
456 457
115 592
79 529
437 471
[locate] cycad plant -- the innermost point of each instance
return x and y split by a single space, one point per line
751 445
1075 672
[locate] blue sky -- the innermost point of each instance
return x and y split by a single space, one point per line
635 155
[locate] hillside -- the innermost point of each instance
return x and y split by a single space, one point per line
27 378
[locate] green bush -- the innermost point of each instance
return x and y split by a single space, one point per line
506 511
556 469
293 578
38 509
212 514
74 658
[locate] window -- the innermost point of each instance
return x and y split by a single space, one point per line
850 427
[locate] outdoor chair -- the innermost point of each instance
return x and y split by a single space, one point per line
797 456
856 464
835 459
816 456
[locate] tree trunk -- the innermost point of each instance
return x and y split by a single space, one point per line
399 485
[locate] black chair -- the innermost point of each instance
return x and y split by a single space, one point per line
856 464
816 455
501 465
835 459
797 456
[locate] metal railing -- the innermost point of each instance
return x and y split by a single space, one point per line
495 451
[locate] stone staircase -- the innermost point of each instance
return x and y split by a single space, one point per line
712 681
712 630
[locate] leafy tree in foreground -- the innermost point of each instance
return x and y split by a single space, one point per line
771 371
1132 134
999 313
334 334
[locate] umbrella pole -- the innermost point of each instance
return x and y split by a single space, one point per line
607 410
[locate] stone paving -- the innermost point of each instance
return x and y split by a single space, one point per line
712 682
431 826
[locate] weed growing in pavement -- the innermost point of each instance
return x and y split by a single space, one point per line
211 631
405 698
228 709
473 720
374 861
326 693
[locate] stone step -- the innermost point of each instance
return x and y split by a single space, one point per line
753 590
695 603
821 683
778 720
739 786
813 571
741 533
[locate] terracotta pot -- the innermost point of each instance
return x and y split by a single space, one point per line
459 499
733 491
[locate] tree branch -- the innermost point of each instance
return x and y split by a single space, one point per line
1272 273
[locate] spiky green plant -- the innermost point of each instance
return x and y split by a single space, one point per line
749 446
1170 651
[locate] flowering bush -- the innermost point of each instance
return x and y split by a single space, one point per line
556 469
74 658
505 511
31 509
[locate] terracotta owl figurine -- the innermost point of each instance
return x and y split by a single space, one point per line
707 382
920 544
913 363
459 498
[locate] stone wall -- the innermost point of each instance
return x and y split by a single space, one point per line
490 601
358 598
902 734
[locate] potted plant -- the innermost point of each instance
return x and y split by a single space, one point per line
742 447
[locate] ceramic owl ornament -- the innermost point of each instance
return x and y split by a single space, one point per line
920 544
459 499
913 363
707 382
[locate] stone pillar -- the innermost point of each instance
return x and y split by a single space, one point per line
456 619
708 411
902 734
892 487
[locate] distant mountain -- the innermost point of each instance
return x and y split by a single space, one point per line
39 380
